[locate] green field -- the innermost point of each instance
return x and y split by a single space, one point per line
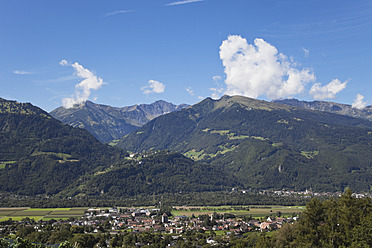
4 163
30 213
254 211
41 213
39 209
48 218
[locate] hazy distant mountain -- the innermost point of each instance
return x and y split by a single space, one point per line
265 144
108 123
337 108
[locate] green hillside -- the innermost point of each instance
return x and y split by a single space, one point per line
40 155
266 145
156 173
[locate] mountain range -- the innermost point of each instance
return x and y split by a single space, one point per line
39 155
108 123
266 144
332 107
211 146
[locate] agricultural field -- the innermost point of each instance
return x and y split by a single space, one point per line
4 163
255 211
41 213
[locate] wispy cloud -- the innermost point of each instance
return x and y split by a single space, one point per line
183 2
18 72
117 12
57 80
337 25
306 52
217 92
190 91
217 78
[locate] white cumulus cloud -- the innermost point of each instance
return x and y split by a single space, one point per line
153 87
328 91
258 69
83 89
358 102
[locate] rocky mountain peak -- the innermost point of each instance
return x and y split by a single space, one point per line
108 123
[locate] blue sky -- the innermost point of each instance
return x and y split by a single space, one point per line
125 52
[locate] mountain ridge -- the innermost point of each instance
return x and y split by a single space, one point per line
108 123
230 142
269 145
40 156
332 107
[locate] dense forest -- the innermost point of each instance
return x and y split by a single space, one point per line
212 198
157 173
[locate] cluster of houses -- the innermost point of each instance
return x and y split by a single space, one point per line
306 193
149 220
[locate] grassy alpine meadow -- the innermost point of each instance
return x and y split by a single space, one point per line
254 211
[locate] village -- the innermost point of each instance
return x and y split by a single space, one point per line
150 220
104 224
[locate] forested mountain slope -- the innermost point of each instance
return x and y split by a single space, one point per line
155 173
266 145
40 155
